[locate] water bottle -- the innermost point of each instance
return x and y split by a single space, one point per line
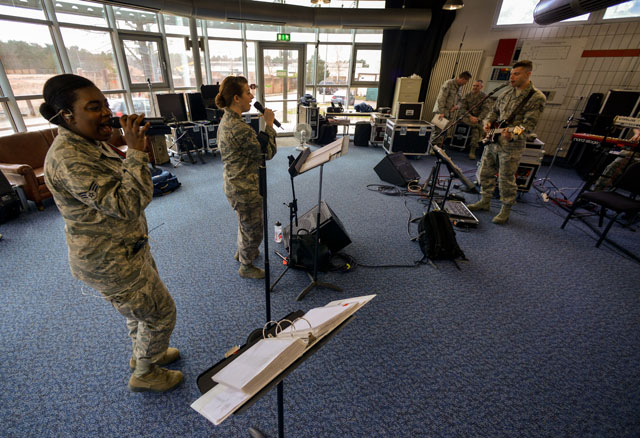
278 232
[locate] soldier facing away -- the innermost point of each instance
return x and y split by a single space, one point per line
102 198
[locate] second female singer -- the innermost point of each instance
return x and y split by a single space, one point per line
241 156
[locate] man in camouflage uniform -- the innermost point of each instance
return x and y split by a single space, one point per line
502 157
618 166
241 154
447 101
477 114
102 198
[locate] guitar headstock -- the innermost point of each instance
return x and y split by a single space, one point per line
518 130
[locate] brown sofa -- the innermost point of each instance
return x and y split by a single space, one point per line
22 160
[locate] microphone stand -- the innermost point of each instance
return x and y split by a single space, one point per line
546 178
262 184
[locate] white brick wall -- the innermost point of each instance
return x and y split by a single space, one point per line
594 75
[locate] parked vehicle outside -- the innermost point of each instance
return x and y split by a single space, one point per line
325 89
339 98
140 105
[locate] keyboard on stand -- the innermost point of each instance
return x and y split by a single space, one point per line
459 214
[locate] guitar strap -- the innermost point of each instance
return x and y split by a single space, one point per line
519 107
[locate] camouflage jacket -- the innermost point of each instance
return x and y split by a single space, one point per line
526 117
102 199
448 96
241 156
470 100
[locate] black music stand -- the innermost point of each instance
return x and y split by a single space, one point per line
319 157
454 172
206 383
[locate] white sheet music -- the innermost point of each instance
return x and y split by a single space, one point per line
257 366
326 153
219 402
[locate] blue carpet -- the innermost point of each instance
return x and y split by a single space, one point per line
536 335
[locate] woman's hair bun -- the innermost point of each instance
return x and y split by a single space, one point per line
47 111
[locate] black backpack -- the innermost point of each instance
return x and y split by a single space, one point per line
437 238
163 181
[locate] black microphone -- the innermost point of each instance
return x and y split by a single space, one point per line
260 108
114 122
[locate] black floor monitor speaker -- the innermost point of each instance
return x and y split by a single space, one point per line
332 231
396 169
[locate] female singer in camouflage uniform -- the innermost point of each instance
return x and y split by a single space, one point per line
102 198
241 155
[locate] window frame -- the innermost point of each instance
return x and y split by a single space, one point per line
162 50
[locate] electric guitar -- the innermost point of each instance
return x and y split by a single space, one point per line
496 131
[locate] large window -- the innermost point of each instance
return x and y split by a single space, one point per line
625 10
225 58
153 54
91 55
181 60
144 61
28 56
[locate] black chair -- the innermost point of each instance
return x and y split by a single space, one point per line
629 182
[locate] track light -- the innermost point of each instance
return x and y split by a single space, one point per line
452 5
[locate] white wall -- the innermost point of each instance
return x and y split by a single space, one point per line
594 75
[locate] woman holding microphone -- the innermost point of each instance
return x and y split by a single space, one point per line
102 198
241 152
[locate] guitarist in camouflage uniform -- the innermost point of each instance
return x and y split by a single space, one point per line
102 198
241 155
520 107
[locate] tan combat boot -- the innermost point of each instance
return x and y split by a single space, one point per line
250 271
472 152
236 256
170 355
503 216
482 204
157 380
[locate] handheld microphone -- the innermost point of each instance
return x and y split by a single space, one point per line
153 121
260 108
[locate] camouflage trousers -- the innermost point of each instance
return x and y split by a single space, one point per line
250 229
503 160
611 173
475 134
150 312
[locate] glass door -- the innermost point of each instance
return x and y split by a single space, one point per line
280 81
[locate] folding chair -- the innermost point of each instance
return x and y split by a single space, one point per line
629 182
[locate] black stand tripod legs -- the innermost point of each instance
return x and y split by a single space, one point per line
316 283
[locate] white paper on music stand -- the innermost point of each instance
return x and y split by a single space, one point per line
219 402
440 123
260 363
321 319
326 153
